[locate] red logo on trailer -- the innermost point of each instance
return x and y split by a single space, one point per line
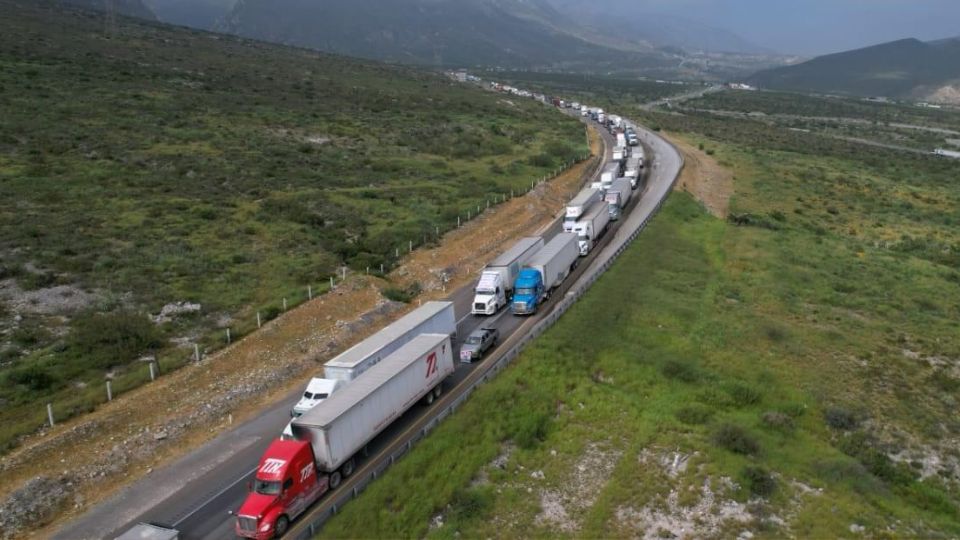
431 364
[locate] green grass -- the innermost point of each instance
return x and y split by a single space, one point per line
772 352
154 164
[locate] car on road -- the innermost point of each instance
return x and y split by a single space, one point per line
477 343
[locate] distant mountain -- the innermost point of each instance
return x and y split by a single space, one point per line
508 33
128 8
202 14
631 21
907 68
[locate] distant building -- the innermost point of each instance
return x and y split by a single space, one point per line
741 86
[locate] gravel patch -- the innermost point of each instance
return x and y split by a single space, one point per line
561 507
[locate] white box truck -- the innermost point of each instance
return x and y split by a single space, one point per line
430 318
633 171
495 287
618 196
342 425
579 205
621 140
611 171
592 226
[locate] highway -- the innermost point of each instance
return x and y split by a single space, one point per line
203 486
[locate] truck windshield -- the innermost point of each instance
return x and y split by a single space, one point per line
525 292
490 292
264 487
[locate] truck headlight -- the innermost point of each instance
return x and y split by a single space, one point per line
265 527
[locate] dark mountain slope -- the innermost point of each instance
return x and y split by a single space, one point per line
513 33
128 8
901 68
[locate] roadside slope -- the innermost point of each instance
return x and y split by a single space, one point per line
769 374
233 386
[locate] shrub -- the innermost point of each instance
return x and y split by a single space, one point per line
469 504
759 481
743 394
736 439
110 339
541 160
694 414
841 419
680 370
29 335
404 295
271 313
777 420
34 377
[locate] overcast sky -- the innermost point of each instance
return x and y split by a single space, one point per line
812 27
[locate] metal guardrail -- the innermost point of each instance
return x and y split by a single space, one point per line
570 298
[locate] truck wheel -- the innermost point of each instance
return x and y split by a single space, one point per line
347 468
428 399
335 479
437 391
281 528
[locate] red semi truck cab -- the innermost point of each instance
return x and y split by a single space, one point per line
285 485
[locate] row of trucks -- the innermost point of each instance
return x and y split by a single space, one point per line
524 276
495 288
366 388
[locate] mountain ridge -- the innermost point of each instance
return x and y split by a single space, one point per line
904 68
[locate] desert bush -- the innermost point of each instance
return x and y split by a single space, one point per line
758 480
680 370
694 414
736 439
840 418
404 294
777 420
36 378
743 394
108 339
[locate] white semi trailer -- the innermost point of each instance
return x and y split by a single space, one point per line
579 205
430 318
592 226
495 287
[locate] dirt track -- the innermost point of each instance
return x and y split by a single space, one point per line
704 178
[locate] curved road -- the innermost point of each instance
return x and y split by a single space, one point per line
204 485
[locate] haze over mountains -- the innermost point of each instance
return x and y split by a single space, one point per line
907 68
128 8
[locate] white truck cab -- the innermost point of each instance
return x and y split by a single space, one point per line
490 294
317 391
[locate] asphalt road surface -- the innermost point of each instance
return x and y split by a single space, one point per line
195 493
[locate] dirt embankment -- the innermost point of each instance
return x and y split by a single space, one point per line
91 457
704 178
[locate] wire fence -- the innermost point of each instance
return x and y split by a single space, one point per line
148 369
315 523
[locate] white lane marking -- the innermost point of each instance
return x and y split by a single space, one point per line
208 501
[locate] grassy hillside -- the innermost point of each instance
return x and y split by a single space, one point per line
595 91
793 370
904 68
153 165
